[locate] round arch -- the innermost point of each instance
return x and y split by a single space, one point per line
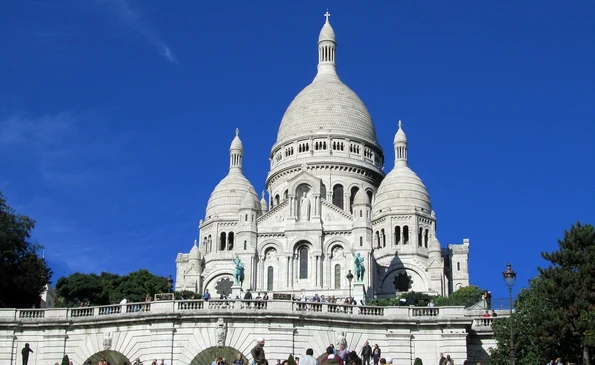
300 241
413 272
111 356
262 247
208 355
215 288
337 241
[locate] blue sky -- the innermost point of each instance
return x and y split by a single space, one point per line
116 116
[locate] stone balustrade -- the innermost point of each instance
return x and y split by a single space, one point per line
185 307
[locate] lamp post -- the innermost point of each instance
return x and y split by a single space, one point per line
349 277
170 282
510 279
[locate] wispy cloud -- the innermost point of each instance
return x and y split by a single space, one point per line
131 17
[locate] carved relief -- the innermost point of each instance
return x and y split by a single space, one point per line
328 217
341 339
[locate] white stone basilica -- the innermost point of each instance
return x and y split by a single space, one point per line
329 199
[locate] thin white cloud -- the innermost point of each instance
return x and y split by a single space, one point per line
130 17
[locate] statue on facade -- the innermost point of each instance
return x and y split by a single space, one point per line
341 339
359 267
107 341
305 208
221 332
238 274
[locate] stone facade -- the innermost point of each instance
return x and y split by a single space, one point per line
195 331
328 200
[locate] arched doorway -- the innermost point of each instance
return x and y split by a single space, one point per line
207 356
112 357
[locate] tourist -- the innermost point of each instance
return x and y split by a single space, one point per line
309 358
442 359
331 358
25 353
366 353
376 354
206 295
258 352
239 360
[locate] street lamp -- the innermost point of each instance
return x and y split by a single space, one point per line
170 281
510 279
349 277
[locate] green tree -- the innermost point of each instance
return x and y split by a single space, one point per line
570 286
465 296
23 274
555 317
418 361
108 288
65 360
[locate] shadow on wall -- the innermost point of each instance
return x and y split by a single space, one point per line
112 357
207 356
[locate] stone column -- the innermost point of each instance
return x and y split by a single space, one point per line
326 283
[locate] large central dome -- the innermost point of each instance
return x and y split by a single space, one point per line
327 106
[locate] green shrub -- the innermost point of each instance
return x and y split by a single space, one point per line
418 361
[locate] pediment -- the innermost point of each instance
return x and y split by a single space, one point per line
331 214
304 177
275 216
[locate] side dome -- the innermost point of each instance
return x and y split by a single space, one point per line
401 189
227 197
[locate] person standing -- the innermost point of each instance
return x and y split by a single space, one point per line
366 353
258 352
25 353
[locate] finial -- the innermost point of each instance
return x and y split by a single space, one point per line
400 123
195 242
326 15
237 132
263 194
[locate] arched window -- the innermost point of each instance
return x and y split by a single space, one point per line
276 199
322 191
420 236
405 235
245 245
222 241
285 194
458 266
303 262
426 238
230 241
370 195
378 239
210 244
338 195
361 241
397 235
270 278
354 191
383 237
337 276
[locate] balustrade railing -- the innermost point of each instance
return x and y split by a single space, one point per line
230 305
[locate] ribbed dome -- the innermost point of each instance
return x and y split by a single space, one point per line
401 189
326 105
226 199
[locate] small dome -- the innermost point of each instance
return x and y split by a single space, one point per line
326 33
264 206
194 252
236 144
400 136
361 198
401 189
249 203
227 197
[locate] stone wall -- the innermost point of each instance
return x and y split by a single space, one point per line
189 332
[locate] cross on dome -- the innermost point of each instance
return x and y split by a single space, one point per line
237 132
400 123
326 15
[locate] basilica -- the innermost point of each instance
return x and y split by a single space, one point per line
328 204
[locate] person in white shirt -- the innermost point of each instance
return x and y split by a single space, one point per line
309 358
